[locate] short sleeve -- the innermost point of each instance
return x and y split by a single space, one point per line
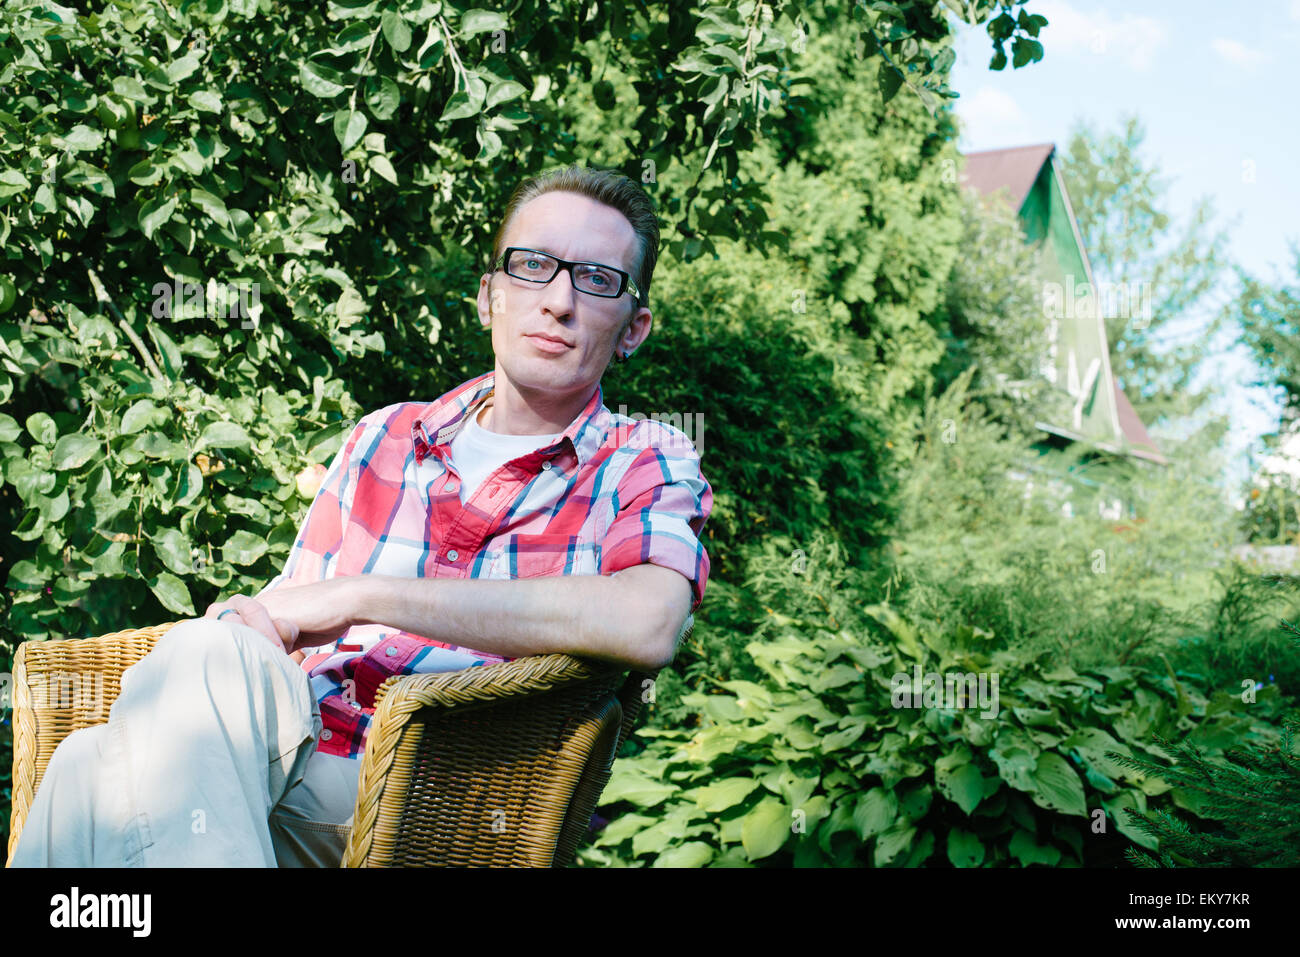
320 538
663 502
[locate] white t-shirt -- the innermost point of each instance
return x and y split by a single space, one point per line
477 453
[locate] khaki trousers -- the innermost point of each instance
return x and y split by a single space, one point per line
207 760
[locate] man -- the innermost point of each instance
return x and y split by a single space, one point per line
513 516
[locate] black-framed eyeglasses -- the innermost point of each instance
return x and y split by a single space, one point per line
594 279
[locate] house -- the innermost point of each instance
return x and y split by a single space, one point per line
1074 306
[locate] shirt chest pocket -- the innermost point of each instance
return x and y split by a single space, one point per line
543 556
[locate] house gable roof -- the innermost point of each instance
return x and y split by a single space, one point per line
1013 169
1017 170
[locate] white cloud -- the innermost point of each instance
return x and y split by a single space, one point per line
1132 39
991 117
1238 54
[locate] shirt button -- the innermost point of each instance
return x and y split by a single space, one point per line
326 734
390 651
452 555
452 486
546 465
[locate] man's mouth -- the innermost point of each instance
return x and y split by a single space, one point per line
547 343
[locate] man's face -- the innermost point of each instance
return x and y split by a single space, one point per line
553 337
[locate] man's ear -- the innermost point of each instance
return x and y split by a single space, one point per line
635 332
485 300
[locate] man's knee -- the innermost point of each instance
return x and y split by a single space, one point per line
225 643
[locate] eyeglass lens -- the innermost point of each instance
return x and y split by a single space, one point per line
536 267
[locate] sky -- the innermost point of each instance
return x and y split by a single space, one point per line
1214 85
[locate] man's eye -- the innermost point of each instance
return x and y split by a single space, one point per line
532 264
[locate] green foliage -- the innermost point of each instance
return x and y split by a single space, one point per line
1009 537
1252 804
811 764
1268 314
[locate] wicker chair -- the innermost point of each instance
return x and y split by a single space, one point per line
497 766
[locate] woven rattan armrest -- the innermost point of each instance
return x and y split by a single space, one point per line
492 766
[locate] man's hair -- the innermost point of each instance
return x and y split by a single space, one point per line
604 186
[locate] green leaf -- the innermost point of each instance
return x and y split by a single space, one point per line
144 173
13 182
396 32
724 794
892 843
243 548
963 786
383 99
73 451
320 80
129 88
964 848
173 593
690 854
482 21
223 435
173 548
382 167
350 307
154 213
42 428
205 101
82 138
463 104
178 70
9 428
603 94
349 127
765 828
635 786
141 415
212 205
504 92
1027 851
1059 786
889 81
876 811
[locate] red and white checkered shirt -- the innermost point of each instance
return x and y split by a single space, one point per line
610 493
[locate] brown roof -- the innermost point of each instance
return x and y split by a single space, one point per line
1015 169
1138 438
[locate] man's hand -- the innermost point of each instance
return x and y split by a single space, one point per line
283 634
318 613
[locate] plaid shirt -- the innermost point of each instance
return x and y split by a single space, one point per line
610 493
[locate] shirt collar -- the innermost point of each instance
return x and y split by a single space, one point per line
439 422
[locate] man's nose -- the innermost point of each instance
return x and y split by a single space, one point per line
558 295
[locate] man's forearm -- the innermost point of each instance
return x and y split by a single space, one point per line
594 616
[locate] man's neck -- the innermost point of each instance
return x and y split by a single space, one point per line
513 412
